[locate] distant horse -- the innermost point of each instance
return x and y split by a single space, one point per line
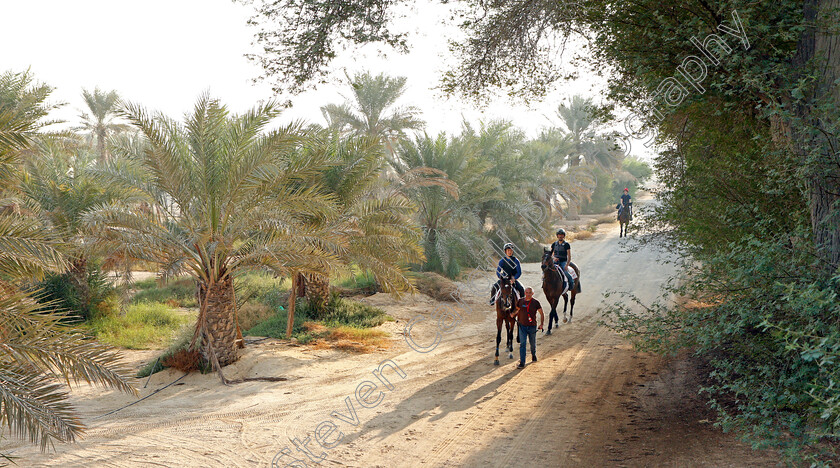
623 221
505 305
553 286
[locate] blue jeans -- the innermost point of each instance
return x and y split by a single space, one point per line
568 275
526 332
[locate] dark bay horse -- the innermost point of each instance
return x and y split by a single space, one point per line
505 304
554 287
623 221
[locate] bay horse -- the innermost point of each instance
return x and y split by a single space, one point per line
553 286
505 304
623 221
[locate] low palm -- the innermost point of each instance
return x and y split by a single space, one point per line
379 232
225 197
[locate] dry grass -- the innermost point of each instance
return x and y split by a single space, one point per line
606 219
252 313
357 340
436 286
581 235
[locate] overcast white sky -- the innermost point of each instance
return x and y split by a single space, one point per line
164 53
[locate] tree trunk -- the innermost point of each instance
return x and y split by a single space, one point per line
100 146
217 324
78 276
815 134
317 291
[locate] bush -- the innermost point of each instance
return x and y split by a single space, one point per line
143 326
337 312
772 338
62 291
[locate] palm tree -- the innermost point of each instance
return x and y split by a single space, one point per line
371 110
381 236
448 213
228 198
578 118
99 122
38 353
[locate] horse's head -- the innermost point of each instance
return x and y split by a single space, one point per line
506 296
546 258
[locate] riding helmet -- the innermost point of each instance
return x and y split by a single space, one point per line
507 246
561 231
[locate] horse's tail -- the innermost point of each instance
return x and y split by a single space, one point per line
577 272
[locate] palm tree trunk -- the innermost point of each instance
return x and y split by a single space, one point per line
78 276
317 291
217 325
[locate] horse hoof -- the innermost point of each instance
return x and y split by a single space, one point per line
548 332
496 362
565 320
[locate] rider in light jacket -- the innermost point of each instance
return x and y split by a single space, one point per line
509 268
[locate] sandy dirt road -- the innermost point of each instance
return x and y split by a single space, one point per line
589 401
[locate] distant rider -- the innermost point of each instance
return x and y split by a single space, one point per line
561 253
509 268
625 204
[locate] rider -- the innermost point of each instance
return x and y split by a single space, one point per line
509 268
625 203
561 253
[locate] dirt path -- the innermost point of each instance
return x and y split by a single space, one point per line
589 401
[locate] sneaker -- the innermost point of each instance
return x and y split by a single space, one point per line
533 358
521 365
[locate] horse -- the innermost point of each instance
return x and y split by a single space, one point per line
553 286
505 305
623 221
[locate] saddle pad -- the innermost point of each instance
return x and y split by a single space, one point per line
571 272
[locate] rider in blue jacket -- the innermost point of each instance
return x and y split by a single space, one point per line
509 268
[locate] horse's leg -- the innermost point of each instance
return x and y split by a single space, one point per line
498 337
552 314
572 309
565 305
509 327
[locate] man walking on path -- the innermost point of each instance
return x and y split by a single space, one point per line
527 317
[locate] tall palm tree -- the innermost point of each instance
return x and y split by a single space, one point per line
38 353
381 236
228 197
371 109
578 119
99 122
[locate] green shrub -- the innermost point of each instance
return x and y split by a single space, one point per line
358 279
337 312
62 291
145 325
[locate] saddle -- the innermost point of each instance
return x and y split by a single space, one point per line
572 273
